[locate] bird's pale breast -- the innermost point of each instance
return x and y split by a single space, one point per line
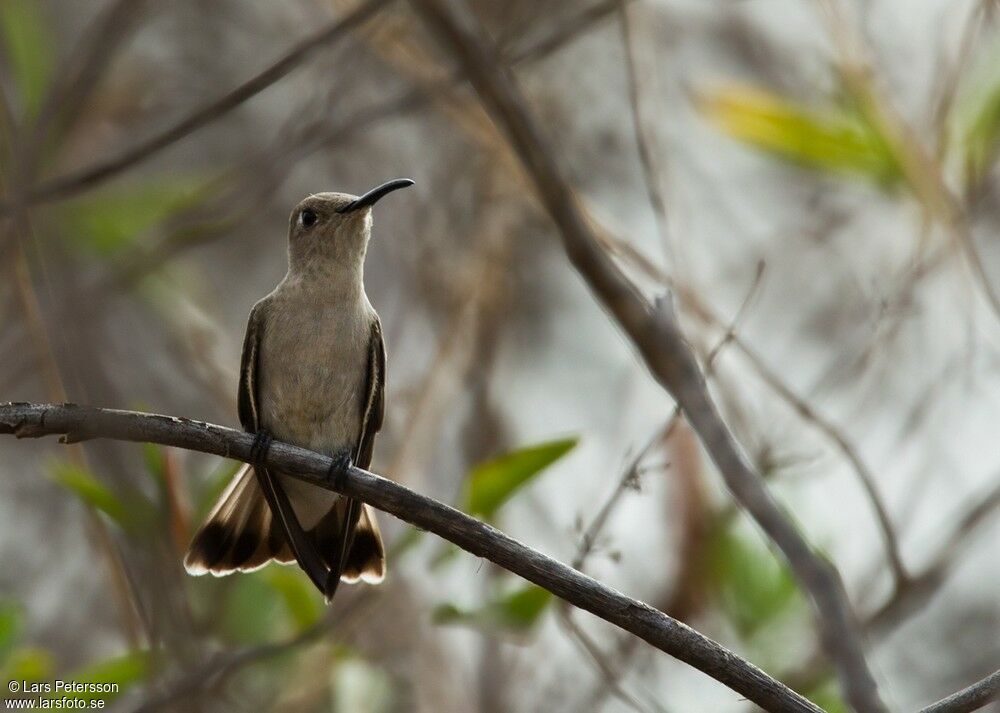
313 371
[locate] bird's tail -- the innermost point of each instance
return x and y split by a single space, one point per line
240 535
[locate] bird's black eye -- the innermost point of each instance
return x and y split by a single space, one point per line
308 218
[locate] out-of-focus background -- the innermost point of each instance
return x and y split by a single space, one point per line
816 182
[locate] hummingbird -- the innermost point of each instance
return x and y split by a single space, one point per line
312 374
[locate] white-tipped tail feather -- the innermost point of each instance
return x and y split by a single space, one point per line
239 535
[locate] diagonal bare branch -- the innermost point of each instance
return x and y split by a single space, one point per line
78 423
655 334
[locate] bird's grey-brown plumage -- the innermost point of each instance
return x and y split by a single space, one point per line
312 374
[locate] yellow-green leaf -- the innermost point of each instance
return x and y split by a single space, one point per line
86 488
28 42
112 677
492 483
830 140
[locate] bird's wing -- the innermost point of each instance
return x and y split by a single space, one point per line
246 399
373 407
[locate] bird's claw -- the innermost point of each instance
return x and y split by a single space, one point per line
261 445
338 469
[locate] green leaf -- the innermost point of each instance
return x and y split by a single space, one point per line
28 43
121 671
831 140
521 609
104 222
492 483
253 610
827 696
87 489
300 598
11 623
518 611
754 586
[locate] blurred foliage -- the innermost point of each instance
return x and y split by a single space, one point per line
841 141
827 697
359 687
754 586
254 611
494 482
125 670
29 663
10 628
517 611
105 222
28 46
976 123
86 488
302 602
33 664
489 486
833 140
133 513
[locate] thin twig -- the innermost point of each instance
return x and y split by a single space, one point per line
952 74
612 674
78 423
811 415
81 72
81 180
629 476
925 584
318 135
651 173
923 173
656 335
920 588
220 668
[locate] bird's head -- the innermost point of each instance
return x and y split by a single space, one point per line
331 230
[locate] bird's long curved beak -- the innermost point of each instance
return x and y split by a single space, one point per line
375 194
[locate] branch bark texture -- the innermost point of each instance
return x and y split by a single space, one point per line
972 698
78 423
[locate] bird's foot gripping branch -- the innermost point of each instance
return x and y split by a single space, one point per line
80 423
